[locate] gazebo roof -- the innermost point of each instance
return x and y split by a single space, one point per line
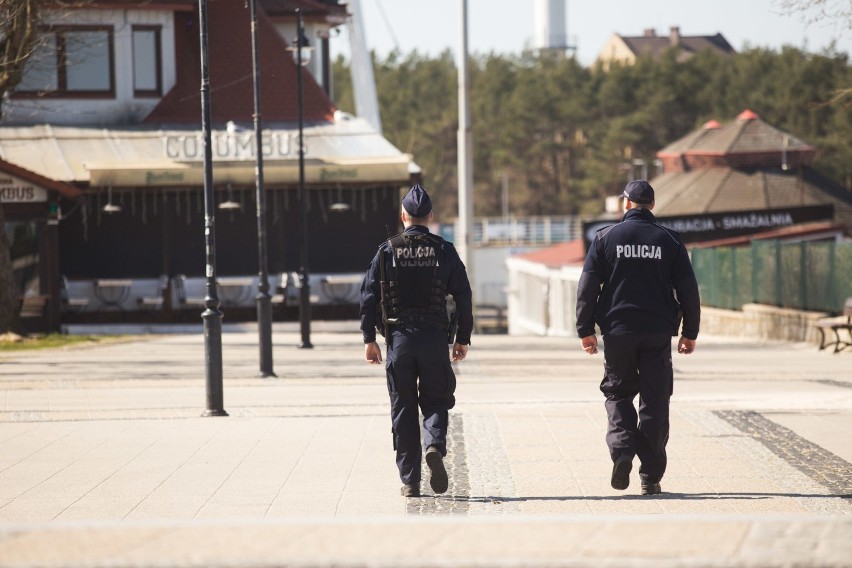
745 135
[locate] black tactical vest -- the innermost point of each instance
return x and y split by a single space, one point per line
415 293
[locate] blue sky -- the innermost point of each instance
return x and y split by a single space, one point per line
506 26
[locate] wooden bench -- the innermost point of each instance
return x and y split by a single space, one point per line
836 326
490 318
32 313
33 306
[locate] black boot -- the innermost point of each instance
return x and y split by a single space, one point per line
621 472
438 481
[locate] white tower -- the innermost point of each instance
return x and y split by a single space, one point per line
550 25
361 69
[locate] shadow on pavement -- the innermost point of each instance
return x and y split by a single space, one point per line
664 495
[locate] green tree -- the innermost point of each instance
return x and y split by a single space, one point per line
342 94
18 37
418 102
563 134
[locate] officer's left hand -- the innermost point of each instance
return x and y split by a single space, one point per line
373 353
590 344
685 345
459 352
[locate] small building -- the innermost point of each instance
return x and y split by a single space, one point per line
722 185
542 291
747 165
31 210
115 142
627 49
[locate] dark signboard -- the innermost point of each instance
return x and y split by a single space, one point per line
712 226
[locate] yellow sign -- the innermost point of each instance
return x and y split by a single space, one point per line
393 170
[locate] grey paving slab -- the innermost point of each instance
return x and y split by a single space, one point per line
106 460
662 540
820 427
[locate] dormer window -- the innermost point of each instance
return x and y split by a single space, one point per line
71 62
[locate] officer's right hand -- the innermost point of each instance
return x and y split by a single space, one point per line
459 352
590 344
373 353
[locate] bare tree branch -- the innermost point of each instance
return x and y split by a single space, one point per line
18 37
835 12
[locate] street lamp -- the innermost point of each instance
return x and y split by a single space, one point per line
302 55
212 316
264 302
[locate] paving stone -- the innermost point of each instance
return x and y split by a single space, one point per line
111 464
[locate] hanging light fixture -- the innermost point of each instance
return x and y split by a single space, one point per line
111 207
338 205
230 203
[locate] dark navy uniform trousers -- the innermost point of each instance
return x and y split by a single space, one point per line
419 375
638 364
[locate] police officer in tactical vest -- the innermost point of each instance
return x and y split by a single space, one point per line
404 296
636 285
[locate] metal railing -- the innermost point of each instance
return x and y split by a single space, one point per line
534 230
813 276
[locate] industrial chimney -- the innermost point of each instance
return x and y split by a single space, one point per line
550 25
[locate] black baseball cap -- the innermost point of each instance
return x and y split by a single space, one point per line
417 203
639 191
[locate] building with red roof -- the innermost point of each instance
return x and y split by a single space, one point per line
110 108
744 165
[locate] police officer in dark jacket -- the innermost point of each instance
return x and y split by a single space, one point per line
636 283
404 295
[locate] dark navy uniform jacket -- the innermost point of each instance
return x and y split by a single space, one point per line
450 270
636 277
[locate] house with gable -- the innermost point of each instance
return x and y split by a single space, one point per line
627 49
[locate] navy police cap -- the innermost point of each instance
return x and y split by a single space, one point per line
417 203
639 191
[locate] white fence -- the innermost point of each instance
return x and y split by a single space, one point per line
542 300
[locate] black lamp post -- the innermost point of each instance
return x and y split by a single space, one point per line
264 302
305 289
212 316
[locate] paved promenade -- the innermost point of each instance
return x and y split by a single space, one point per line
105 459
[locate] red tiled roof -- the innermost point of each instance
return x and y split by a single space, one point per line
747 134
562 254
230 70
705 190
